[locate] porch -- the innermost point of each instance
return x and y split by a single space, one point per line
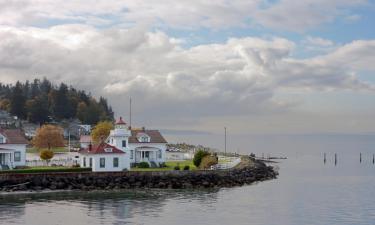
147 154
6 161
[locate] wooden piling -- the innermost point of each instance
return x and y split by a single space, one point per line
360 157
335 159
325 158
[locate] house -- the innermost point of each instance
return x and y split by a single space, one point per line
104 158
12 148
147 146
174 154
138 145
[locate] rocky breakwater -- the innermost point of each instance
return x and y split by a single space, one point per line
248 172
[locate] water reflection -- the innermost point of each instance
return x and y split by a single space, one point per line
115 207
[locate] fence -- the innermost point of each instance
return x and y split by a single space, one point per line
55 162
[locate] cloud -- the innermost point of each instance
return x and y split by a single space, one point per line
238 77
302 15
220 14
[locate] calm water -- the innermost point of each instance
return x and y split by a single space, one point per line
306 192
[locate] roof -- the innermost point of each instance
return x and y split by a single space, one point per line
102 148
155 136
120 121
13 136
85 139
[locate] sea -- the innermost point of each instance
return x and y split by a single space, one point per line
309 190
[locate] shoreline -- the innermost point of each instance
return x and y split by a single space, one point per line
247 172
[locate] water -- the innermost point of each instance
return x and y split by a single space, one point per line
306 192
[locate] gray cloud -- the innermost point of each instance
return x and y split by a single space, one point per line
241 76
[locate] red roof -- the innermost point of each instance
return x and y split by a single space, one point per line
155 136
120 121
13 136
102 148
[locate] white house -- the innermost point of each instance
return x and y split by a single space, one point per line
104 158
141 144
138 145
12 148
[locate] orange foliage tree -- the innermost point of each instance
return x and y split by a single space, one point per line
48 136
101 130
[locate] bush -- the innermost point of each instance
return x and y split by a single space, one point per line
187 167
208 161
143 165
46 154
162 165
177 168
198 156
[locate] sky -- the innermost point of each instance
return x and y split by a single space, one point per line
194 67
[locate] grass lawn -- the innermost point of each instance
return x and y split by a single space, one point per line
170 166
57 149
44 169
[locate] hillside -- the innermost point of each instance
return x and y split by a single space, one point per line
41 101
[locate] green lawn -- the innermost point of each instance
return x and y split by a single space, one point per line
57 149
44 169
170 166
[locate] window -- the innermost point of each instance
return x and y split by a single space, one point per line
90 162
159 154
108 149
84 161
144 139
115 162
123 143
102 162
2 140
131 154
17 156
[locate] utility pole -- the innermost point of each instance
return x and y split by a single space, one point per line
225 141
130 113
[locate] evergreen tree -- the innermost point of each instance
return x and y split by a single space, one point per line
17 102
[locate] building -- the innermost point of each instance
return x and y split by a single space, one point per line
84 141
12 148
173 154
147 146
139 145
104 158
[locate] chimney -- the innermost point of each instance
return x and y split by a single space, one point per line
101 139
90 147
143 128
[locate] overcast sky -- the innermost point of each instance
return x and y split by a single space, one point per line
257 67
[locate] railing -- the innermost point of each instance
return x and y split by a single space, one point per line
227 165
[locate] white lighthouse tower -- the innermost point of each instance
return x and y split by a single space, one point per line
119 137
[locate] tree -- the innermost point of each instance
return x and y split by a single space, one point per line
37 109
46 155
4 104
198 156
48 136
81 110
101 130
17 102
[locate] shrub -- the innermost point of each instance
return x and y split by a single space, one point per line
198 156
46 155
187 167
177 168
208 161
143 165
162 165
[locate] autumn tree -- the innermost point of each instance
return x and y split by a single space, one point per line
48 136
101 130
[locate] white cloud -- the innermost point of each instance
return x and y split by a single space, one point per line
236 77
